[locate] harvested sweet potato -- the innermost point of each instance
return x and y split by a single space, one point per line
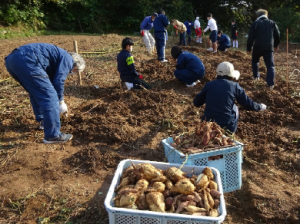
183 186
173 145
208 172
217 203
168 184
202 180
206 138
214 213
210 199
126 187
141 202
166 193
215 193
124 182
161 178
174 174
205 200
157 187
198 199
187 198
213 185
141 185
169 202
128 199
193 203
117 203
199 214
126 191
156 201
126 172
224 141
181 206
194 209
149 171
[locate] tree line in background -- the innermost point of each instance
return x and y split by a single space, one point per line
100 16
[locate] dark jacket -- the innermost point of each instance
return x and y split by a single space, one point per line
126 66
57 63
186 60
264 35
224 41
219 97
233 29
147 23
160 23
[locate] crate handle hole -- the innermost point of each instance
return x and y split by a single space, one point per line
215 157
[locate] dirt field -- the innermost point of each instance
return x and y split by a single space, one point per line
68 183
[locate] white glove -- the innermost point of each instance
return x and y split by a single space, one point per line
263 107
63 109
190 24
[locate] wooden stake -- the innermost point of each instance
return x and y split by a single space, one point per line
78 73
287 60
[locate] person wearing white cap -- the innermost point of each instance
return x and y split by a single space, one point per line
197 27
220 96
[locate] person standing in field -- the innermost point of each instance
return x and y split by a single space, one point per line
223 41
181 28
42 70
188 24
264 37
160 25
212 25
146 26
235 42
197 27
219 97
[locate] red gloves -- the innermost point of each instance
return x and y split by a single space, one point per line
141 77
142 33
175 27
176 34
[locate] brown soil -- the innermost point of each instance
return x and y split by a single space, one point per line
68 183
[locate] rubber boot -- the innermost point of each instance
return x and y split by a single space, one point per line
149 51
236 44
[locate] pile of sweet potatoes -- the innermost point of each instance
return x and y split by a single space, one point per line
207 136
145 187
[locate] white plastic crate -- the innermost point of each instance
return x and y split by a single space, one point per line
230 165
131 216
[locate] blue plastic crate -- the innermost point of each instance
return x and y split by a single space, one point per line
230 165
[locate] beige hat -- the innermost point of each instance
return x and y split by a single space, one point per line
226 68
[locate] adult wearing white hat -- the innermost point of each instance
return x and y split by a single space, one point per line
220 96
197 27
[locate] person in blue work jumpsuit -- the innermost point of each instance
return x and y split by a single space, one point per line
189 68
220 96
131 78
223 41
160 24
42 70
188 25
146 26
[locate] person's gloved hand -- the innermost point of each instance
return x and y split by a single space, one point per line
176 34
190 24
63 109
175 27
142 33
141 77
263 107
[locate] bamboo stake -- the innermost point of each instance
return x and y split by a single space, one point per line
78 72
287 60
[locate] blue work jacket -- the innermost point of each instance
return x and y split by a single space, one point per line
219 97
57 63
160 23
126 66
147 23
224 41
188 27
186 60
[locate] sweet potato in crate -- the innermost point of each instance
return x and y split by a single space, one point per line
205 149
145 203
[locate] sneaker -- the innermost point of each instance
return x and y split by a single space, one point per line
193 84
164 61
198 81
214 52
271 87
62 138
210 49
41 127
256 79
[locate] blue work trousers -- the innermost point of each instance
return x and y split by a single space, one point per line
24 68
182 38
187 76
223 48
189 34
269 62
160 41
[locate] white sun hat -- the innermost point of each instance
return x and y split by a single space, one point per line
226 68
